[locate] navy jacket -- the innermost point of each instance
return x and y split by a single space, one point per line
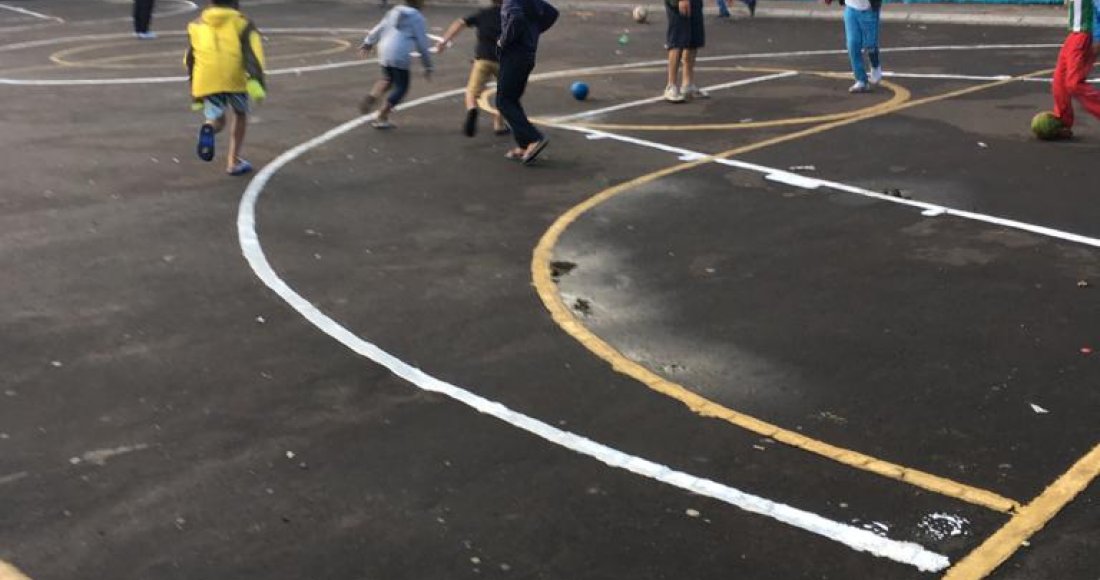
521 23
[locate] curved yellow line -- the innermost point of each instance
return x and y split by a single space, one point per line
62 57
563 316
9 572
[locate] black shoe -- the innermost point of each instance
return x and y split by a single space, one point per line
470 126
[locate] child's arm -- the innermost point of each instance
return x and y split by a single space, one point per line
252 49
451 33
375 33
422 44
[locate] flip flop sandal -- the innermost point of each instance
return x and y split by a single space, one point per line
205 148
382 125
514 155
529 158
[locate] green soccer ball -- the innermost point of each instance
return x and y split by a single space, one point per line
1046 126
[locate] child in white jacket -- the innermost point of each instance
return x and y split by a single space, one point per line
402 30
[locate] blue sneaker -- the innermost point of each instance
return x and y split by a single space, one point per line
205 148
242 167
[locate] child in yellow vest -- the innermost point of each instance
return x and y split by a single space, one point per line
225 61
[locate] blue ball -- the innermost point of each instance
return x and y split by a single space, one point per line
579 90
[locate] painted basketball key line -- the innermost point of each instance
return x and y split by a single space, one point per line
563 316
855 538
1028 521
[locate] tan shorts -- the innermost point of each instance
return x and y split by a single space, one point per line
482 72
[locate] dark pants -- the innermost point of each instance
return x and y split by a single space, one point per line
399 83
143 13
515 67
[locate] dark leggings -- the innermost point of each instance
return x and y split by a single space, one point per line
143 14
399 80
515 67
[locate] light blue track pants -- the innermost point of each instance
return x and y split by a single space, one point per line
861 30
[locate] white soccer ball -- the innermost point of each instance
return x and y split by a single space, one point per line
641 14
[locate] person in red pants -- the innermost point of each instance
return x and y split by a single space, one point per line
1075 62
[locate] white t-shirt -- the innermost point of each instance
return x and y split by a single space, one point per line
858 4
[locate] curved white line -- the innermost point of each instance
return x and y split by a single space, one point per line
855 538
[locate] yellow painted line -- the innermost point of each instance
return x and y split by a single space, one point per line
563 316
64 57
1027 521
894 101
9 572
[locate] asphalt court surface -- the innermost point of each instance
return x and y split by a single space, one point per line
170 417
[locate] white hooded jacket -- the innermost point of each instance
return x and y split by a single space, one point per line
401 31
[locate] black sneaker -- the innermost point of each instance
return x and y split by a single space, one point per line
469 128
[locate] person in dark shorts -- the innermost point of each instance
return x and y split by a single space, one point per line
686 35
486 65
143 15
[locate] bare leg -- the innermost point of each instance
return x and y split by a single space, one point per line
236 140
384 112
218 124
674 57
689 66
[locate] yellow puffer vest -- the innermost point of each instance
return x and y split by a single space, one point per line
226 51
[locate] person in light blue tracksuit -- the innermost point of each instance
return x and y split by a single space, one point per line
861 31
401 31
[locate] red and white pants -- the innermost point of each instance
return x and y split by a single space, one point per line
1071 78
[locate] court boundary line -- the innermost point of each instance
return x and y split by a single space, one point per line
858 539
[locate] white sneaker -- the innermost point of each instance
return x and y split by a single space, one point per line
694 92
672 94
876 75
145 35
859 87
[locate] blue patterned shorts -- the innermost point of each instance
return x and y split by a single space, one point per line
214 106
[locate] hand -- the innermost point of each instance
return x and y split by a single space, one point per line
365 50
685 7
441 46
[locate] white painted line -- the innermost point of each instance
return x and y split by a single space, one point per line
900 75
798 180
31 13
855 538
659 98
794 179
